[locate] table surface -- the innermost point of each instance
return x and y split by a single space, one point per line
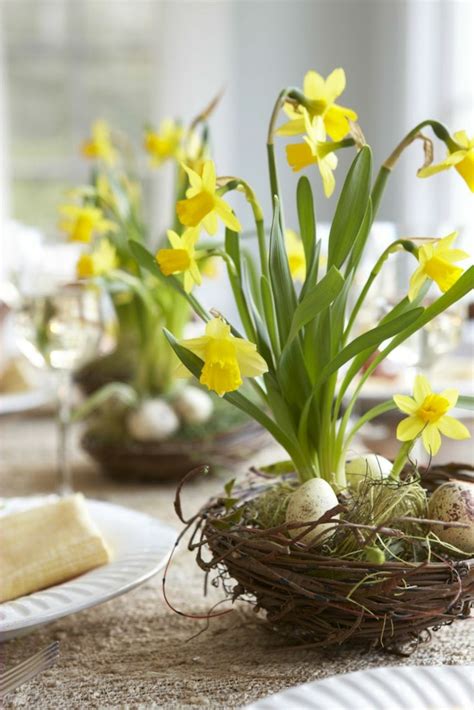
134 651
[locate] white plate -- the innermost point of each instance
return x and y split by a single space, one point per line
392 688
141 546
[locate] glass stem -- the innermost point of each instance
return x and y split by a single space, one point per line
64 420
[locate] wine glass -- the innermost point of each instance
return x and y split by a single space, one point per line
60 328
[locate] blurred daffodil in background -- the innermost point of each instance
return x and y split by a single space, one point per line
437 262
428 416
81 224
164 144
460 157
181 258
296 256
99 262
321 95
100 146
203 204
227 359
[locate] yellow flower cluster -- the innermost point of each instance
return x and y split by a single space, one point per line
319 117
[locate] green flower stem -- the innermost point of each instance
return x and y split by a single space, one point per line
388 165
401 459
391 249
243 186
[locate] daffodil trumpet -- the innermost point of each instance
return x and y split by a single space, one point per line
298 305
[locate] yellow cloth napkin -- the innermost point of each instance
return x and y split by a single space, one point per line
47 545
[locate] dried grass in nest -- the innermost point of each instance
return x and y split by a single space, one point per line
323 600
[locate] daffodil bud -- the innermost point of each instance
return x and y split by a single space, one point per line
154 420
193 405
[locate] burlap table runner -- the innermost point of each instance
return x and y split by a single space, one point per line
133 651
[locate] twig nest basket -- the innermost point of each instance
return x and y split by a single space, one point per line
324 601
132 461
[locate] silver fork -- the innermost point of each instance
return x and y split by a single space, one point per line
33 666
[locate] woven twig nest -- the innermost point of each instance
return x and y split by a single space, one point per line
135 461
325 601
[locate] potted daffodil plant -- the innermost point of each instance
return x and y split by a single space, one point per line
143 421
335 548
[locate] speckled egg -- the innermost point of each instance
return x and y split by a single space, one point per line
369 466
308 503
453 502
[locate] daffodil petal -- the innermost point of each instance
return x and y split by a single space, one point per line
217 328
405 404
421 388
417 280
432 169
227 216
329 181
454 429
314 86
294 127
209 176
461 138
194 179
196 345
174 239
211 223
451 395
251 363
409 428
431 438
335 84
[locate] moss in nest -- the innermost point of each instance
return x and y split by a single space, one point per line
268 510
383 504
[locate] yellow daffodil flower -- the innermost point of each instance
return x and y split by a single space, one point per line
99 262
437 263
296 255
314 149
83 223
227 359
100 144
203 205
428 416
321 94
181 259
462 159
164 144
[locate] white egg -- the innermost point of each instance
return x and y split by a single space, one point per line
307 504
369 466
154 420
193 405
453 502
